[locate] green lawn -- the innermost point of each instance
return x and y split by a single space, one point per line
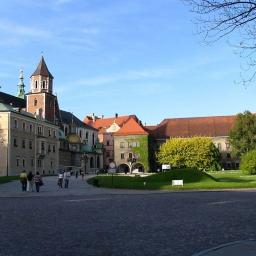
192 179
8 179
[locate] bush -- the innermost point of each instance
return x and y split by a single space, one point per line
248 162
95 182
196 152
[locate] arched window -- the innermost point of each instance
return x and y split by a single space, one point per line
35 102
36 84
98 162
66 131
93 139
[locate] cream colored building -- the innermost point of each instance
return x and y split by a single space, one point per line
27 143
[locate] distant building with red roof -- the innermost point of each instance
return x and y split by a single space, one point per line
111 127
131 147
215 127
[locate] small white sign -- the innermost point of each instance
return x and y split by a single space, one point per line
166 167
177 182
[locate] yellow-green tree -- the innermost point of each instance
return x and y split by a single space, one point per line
196 152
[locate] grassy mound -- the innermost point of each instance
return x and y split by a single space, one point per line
190 177
8 179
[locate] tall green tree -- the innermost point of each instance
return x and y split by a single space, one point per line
243 134
196 152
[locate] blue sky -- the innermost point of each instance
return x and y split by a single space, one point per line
138 57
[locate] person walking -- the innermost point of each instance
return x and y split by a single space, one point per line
76 174
23 180
38 181
60 179
66 176
30 182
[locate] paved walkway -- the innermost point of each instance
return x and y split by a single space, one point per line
77 187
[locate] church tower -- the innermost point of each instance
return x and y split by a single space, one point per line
40 101
21 86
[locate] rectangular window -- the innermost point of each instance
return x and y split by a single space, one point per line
129 144
30 128
23 162
24 126
15 123
227 146
49 133
130 155
122 145
39 129
51 164
39 163
17 162
30 144
53 148
122 155
32 162
49 148
42 146
15 143
54 134
23 144
108 143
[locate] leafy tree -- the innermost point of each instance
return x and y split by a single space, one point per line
243 134
220 18
196 152
248 162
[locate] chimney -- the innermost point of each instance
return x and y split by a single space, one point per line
116 115
93 117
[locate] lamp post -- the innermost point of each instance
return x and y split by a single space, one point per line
84 158
132 160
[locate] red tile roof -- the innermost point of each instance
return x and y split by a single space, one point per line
42 69
107 122
131 127
196 126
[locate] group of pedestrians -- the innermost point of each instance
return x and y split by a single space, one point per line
29 180
64 175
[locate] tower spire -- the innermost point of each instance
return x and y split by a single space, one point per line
21 86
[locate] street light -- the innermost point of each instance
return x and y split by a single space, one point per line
131 160
84 158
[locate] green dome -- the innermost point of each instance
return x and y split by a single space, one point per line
86 149
61 135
